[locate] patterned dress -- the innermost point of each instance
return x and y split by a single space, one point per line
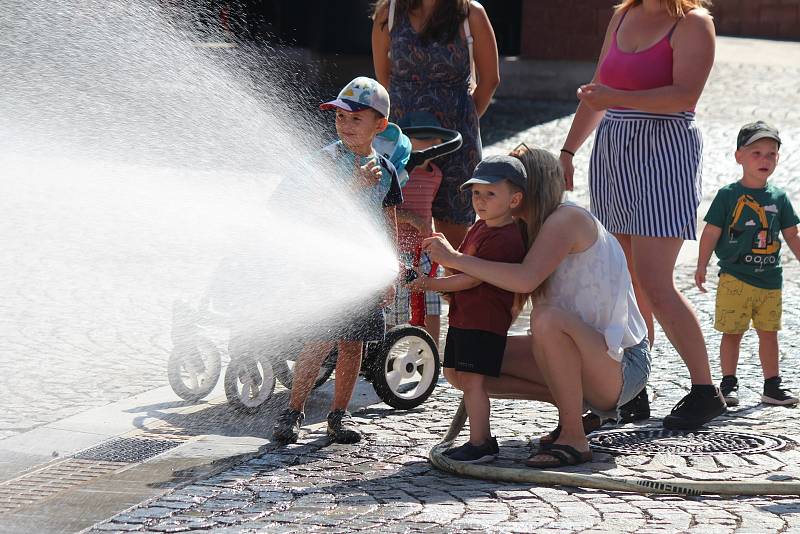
435 77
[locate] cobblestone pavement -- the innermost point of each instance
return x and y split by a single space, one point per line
386 483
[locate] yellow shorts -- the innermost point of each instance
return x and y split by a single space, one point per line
738 302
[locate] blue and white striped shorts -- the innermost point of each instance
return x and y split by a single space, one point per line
645 174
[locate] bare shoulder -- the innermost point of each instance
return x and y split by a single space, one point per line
697 21
569 217
381 14
477 13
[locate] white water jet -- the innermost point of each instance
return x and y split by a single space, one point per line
134 164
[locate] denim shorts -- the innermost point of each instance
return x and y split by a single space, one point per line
635 372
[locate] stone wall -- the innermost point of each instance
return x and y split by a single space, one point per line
574 29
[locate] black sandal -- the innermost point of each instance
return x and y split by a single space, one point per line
591 422
561 456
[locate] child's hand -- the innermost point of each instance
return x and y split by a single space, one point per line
700 278
418 284
368 175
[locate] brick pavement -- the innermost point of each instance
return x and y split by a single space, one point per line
386 484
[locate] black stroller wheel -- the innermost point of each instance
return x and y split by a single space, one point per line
194 368
406 367
249 382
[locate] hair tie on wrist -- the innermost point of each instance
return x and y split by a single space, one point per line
570 152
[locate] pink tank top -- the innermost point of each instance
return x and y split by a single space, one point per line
637 71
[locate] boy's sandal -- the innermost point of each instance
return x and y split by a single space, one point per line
591 422
559 456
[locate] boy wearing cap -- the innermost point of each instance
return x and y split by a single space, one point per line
362 108
415 221
480 313
744 223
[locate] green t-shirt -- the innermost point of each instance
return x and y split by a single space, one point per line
751 221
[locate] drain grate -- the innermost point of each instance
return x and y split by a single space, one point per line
128 450
682 443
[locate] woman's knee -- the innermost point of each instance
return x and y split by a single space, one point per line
545 319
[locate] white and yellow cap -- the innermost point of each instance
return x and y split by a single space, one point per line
360 94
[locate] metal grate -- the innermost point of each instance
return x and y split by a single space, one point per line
682 443
128 450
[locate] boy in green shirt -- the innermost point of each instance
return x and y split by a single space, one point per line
744 223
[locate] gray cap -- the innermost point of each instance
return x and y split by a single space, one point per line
750 133
494 169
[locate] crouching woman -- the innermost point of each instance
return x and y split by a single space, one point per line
588 345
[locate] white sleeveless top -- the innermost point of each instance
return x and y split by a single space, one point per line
596 286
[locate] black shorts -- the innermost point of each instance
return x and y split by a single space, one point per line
474 351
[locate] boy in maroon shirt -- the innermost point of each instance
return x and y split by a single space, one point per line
480 313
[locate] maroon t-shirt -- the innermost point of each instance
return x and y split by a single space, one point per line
487 307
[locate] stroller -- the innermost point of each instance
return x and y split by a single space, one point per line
403 368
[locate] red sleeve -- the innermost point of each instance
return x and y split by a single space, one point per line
505 245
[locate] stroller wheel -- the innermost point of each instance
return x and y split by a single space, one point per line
249 382
193 368
406 367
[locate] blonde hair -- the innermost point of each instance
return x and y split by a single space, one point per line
676 8
543 194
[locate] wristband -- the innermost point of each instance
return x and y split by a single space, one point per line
570 152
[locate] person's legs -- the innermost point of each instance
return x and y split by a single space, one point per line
288 423
654 263
433 326
768 353
453 232
476 402
729 353
520 374
306 370
348 365
641 298
575 363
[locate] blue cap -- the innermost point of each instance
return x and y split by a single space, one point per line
494 169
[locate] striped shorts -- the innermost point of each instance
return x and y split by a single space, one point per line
645 173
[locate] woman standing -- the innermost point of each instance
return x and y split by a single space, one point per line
645 170
423 52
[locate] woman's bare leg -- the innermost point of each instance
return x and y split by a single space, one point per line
641 298
576 365
654 262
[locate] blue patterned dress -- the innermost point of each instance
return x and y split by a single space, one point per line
435 77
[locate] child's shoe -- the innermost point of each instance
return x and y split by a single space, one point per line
729 388
287 426
775 394
474 454
341 428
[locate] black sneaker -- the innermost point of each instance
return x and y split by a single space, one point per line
474 454
287 426
775 394
341 428
696 409
729 387
636 409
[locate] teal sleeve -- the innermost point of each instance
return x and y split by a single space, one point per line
788 215
718 210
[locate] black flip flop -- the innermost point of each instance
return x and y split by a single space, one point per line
591 422
562 456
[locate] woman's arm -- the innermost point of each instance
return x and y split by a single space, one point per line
380 46
484 50
692 58
561 234
586 119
